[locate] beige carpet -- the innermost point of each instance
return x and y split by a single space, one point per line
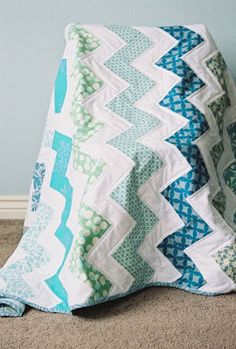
153 318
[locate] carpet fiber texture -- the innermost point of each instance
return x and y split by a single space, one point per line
153 318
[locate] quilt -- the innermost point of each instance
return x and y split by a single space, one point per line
135 182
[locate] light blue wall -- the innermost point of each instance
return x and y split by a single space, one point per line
31 45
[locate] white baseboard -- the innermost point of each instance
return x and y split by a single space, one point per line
13 206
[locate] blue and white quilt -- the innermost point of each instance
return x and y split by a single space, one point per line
135 182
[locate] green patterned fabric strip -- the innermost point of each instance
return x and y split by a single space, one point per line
92 225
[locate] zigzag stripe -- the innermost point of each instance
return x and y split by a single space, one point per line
87 83
212 96
164 270
217 66
118 164
86 127
218 107
177 192
146 162
62 144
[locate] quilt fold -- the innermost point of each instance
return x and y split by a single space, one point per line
135 181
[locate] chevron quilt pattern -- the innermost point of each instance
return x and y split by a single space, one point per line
135 181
